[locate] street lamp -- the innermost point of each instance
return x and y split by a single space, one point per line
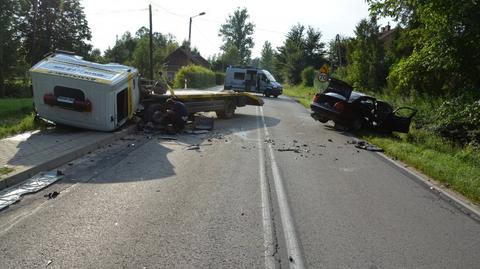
190 27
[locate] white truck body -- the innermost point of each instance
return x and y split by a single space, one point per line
71 91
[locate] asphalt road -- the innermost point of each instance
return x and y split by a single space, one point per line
269 188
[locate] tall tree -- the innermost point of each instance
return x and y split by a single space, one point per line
367 69
238 31
266 60
9 39
51 24
300 49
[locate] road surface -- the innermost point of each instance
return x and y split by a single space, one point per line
270 188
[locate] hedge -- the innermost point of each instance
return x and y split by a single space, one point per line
197 77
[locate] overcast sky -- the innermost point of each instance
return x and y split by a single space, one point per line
109 18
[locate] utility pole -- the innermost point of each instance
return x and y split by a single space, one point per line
339 50
34 35
151 43
190 28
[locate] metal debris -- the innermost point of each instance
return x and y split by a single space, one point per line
34 184
290 149
193 147
365 145
203 123
52 195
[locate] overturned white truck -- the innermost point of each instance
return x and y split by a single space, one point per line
71 91
75 92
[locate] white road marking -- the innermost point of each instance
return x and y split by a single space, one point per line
268 240
293 248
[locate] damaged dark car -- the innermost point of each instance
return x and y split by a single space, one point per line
353 110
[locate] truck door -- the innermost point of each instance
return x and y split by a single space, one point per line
251 81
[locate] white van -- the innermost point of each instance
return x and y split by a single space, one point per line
251 79
75 92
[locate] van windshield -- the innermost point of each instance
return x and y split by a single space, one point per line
269 76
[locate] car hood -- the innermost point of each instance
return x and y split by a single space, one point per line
339 87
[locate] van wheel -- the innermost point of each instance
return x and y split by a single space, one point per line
275 95
155 113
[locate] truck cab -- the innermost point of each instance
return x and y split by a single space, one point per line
251 79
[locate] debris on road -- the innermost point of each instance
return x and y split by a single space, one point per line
361 144
168 138
52 195
48 263
193 147
296 150
330 140
13 194
203 123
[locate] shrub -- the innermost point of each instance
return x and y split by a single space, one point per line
197 77
459 120
308 75
219 78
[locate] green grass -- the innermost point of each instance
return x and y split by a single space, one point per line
454 166
5 170
301 93
16 116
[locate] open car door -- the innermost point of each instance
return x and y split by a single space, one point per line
397 122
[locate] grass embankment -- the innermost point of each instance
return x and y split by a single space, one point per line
454 166
16 116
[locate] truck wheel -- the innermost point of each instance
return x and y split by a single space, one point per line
155 113
228 112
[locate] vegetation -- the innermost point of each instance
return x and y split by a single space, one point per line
196 76
16 116
237 32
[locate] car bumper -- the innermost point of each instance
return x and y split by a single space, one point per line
327 112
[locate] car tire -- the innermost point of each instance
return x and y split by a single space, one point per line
356 125
322 119
155 113
339 127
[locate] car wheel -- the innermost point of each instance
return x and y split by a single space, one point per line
275 95
155 113
322 119
356 124
340 127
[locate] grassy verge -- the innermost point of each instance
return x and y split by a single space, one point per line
454 166
16 116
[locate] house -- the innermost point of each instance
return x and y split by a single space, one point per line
386 35
182 57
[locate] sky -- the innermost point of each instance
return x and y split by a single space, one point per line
273 19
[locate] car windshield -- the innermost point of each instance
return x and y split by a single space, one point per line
269 76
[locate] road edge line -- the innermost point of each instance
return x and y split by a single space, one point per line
433 185
293 248
268 238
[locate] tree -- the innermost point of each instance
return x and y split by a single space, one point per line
367 69
299 50
51 24
267 55
231 55
446 57
237 31
9 39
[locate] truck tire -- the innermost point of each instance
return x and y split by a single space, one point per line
228 112
154 113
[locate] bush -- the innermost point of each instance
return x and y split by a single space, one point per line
17 89
308 74
219 78
197 77
459 120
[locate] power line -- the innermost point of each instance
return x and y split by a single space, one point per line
118 11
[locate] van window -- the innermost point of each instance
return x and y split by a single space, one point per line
69 92
239 76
